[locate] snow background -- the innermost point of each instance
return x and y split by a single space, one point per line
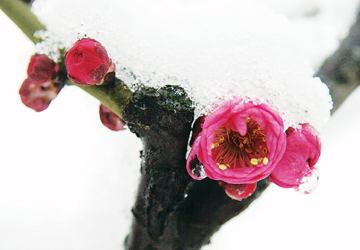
67 182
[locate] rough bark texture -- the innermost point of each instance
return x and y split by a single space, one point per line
171 210
162 119
205 210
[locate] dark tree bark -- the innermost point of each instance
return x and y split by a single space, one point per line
162 119
341 71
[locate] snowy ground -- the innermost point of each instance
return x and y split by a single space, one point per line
67 182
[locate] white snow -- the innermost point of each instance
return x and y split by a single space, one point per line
215 49
67 182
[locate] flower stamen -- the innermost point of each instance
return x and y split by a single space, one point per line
231 150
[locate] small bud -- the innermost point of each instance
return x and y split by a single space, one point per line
42 84
238 191
87 62
38 96
41 68
110 120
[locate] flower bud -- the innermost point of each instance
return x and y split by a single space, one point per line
42 84
238 191
301 154
41 68
87 62
38 96
111 120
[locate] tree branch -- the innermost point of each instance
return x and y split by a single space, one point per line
115 97
19 13
341 71
162 119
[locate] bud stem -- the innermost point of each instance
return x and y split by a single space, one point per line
114 97
19 13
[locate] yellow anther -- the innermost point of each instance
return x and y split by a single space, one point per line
265 161
254 161
247 119
223 166
222 139
214 145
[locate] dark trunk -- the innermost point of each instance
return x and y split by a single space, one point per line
171 210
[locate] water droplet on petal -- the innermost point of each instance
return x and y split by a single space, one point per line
197 168
309 182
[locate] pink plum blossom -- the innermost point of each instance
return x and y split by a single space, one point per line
240 143
302 153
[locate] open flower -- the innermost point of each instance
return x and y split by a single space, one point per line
302 153
111 120
240 143
87 62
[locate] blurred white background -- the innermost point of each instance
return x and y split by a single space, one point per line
67 182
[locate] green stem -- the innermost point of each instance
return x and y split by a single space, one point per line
115 98
19 13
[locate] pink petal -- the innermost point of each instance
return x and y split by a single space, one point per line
302 153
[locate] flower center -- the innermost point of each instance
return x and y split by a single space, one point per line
231 150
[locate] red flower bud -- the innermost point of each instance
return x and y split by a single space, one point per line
38 96
87 62
238 191
38 90
302 153
110 120
41 68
